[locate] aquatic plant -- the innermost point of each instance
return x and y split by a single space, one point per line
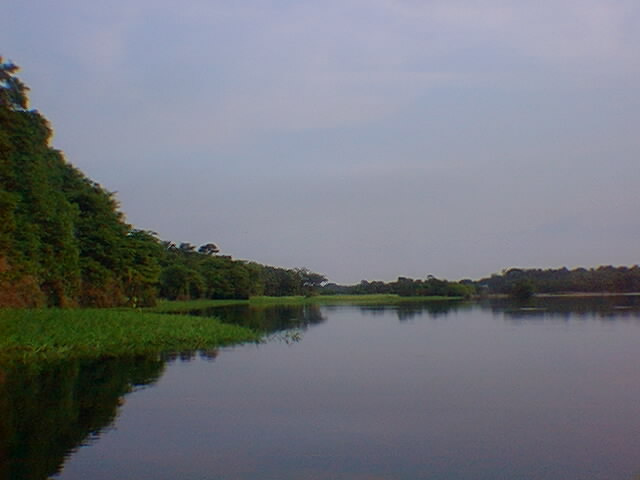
88 333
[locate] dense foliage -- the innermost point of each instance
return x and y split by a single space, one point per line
516 281
405 287
63 240
188 273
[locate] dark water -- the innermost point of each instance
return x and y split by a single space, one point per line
546 390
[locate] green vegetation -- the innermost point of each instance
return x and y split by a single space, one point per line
32 334
50 334
167 306
405 287
372 299
518 282
63 241
189 273
271 315
522 289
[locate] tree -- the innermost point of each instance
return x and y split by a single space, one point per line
309 281
522 290
63 240
181 283
208 249
13 93
143 271
186 247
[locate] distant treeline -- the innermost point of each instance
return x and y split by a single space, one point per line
405 287
562 280
64 242
516 282
187 273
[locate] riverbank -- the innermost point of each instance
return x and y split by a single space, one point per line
374 299
167 306
586 294
30 334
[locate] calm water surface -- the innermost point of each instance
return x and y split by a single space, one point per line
551 391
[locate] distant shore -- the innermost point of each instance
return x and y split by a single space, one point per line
587 294
165 306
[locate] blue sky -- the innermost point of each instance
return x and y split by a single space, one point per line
361 139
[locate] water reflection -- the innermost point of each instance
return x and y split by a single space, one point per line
49 410
268 318
433 309
368 396
187 356
410 310
283 318
428 390
611 307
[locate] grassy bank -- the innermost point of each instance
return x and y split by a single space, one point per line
27 334
168 306
55 333
382 299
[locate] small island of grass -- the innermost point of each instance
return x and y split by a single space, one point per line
33 334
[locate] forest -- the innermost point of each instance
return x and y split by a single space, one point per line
404 287
603 279
516 282
64 241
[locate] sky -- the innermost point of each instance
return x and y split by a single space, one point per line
362 139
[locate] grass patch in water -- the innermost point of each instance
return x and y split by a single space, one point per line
373 299
30 334
376 299
168 306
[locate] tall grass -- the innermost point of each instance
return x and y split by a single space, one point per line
55 333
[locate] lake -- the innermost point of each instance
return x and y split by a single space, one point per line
544 390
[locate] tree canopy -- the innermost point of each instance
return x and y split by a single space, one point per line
562 280
64 241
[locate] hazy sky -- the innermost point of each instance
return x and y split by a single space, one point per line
359 138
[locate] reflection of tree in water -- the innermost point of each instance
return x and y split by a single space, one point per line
408 311
432 309
47 411
189 355
565 308
268 318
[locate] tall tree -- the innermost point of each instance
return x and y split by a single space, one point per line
63 240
